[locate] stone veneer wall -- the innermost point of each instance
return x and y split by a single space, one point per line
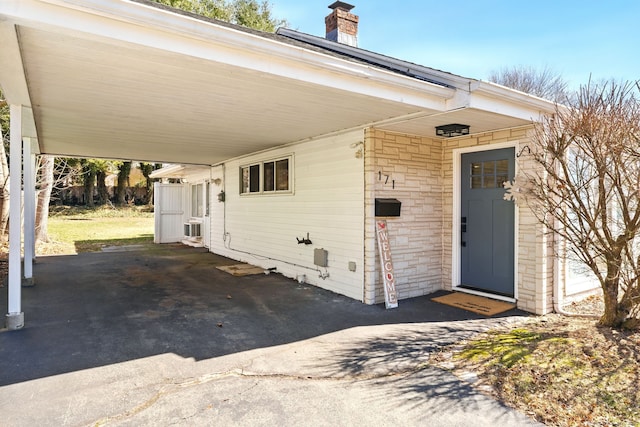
421 238
413 166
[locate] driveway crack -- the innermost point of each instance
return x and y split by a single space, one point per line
241 373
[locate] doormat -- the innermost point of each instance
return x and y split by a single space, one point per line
474 303
241 269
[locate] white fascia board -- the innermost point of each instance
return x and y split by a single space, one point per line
11 72
181 171
140 24
499 99
12 77
172 171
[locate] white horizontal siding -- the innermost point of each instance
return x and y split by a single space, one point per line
327 202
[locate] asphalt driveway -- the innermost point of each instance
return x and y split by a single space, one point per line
159 336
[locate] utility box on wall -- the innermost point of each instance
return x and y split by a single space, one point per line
320 257
388 207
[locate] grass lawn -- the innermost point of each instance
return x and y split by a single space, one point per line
562 371
73 230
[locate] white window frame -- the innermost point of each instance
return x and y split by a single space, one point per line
207 198
197 202
261 170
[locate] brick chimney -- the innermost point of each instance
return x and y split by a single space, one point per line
342 26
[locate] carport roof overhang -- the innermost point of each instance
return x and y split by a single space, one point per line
128 80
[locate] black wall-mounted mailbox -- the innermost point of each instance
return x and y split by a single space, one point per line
388 207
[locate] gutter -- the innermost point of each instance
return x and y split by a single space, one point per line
494 90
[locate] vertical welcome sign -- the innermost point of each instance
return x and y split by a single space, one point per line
390 294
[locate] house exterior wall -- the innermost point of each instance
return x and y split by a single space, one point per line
577 281
420 171
335 183
421 176
327 202
413 166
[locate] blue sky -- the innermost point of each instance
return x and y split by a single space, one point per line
471 38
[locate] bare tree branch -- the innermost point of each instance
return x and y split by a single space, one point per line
543 83
585 187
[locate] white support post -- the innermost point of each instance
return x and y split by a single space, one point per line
157 217
34 175
29 212
15 316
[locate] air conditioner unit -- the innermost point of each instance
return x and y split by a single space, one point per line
192 229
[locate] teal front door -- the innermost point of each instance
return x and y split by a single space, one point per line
487 222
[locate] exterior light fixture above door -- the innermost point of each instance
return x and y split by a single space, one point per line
454 129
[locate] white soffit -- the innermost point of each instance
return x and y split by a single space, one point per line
479 122
106 101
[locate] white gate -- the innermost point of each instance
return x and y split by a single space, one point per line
168 212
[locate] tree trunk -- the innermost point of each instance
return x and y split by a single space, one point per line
89 183
44 197
4 191
123 178
150 195
147 169
103 193
614 313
